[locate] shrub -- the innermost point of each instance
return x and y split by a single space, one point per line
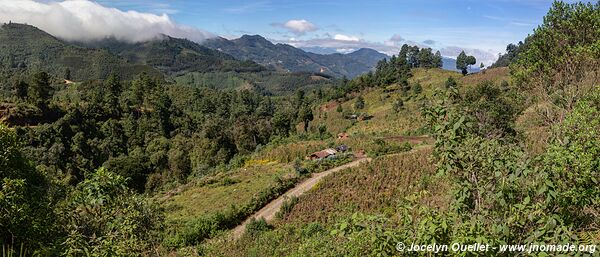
103 217
286 207
257 226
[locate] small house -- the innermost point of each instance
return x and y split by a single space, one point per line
322 154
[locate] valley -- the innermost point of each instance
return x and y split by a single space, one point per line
246 146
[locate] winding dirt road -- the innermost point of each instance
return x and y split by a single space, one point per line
268 212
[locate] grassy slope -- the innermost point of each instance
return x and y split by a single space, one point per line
210 195
374 188
220 191
379 104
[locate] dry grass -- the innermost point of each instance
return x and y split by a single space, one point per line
385 121
432 78
219 192
374 188
288 152
495 75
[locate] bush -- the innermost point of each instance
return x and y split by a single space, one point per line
25 216
286 207
383 147
103 217
255 226
327 163
202 228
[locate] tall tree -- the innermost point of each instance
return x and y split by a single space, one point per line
21 87
306 116
40 88
360 103
437 60
426 58
464 61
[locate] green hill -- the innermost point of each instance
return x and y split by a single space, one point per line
176 56
24 47
288 58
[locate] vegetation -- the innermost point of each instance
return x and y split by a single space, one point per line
146 165
287 58
175 55
485 185
464 62
512 51
26 49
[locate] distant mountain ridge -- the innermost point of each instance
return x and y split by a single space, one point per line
27 47
289 58
175 55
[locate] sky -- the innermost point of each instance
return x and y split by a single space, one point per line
482 28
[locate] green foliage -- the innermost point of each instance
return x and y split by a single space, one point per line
398 105
464 61
25 214
492 110
560 60
327 163
451 83
573 161
384 148
257 226
360 103
286 207
512 51
102 218
417 88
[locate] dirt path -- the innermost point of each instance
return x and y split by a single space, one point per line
268 212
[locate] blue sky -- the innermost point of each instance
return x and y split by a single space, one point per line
480 27
487 26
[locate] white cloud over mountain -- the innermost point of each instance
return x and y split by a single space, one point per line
83 20
344 44
342 37
298 27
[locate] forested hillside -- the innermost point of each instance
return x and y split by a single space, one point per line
515 161
176 56
166 148
288 58
26 48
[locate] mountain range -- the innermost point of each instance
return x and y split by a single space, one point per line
175 56
25 46
288 58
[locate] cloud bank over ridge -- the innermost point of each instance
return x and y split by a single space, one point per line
83 20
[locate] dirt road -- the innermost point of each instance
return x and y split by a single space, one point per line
268 212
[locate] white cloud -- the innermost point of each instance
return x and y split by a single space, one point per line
298 27
345 38
84 20
342 45
345 50
396 38
482 56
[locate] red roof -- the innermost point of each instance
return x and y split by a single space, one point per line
324 153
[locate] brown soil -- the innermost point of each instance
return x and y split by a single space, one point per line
329 106
268 212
